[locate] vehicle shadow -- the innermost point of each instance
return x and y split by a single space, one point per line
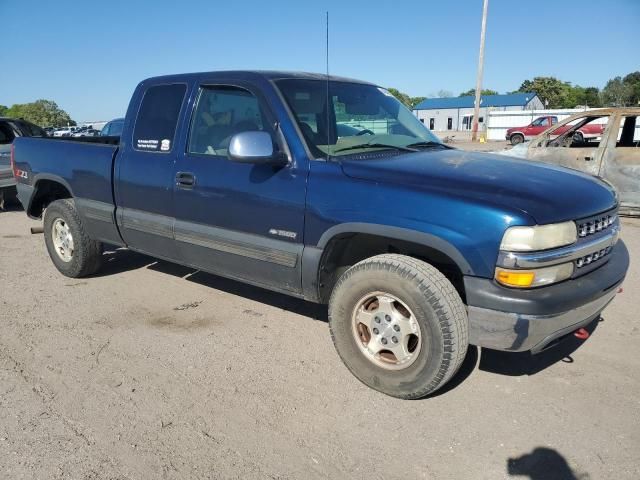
542 464
525 363
120 260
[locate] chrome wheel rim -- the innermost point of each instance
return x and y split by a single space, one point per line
62 240
386 331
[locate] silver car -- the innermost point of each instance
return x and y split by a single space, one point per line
10 128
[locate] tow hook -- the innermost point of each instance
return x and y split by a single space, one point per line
35 230
581 334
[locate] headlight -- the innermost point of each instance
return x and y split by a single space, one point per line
539 237
536 277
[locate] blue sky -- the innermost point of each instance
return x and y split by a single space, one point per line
89 55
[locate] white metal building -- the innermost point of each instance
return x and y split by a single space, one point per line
456 113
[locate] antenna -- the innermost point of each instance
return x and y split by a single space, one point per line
328 99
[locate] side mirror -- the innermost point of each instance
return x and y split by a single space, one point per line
254 147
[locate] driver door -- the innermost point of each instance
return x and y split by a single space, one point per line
239 220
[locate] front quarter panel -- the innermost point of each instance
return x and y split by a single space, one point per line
472 231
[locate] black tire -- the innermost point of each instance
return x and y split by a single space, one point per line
438 310
87 253
516 138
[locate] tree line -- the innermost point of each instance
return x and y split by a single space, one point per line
554 93
45 113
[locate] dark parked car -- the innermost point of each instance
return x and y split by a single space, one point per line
10 128
418 248
113 128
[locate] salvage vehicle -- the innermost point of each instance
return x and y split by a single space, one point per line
419 249
516 135
10 129
613 155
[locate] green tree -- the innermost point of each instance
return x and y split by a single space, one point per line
472 92
404 98
552 92
41 112
617 92
633 80
416 100
3 110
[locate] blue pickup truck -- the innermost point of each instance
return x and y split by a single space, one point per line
330 190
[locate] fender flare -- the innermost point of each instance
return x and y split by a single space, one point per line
313 255
46 176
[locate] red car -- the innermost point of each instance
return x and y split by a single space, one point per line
519 134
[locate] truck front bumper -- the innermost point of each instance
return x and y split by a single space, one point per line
519 320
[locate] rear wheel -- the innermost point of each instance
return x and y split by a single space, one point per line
517 138
72 251
398 325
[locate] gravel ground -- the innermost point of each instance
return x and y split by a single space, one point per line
151 370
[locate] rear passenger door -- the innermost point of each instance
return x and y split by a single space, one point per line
145 176
240 220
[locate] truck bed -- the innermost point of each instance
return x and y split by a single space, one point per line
83 165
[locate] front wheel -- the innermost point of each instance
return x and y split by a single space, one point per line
398 325
72 251
517 138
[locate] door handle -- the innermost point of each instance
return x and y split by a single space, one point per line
185 179
588 159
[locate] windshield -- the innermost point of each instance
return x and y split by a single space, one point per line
360 118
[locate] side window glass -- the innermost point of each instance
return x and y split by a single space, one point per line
116 128
544 122
221 113
6 134
157 118
554 120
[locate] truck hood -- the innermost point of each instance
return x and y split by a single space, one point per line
547 193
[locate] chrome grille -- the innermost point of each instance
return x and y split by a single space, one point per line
595 224
592 257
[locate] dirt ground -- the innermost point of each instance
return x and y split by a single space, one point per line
150 370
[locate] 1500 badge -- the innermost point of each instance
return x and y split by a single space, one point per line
283 233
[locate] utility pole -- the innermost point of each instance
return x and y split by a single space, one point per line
476 110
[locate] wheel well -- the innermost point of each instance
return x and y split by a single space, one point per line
46 192
347 249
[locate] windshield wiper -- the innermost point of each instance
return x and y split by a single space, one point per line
376 145
427 143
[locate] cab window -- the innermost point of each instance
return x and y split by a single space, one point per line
6 134
221 113
157 119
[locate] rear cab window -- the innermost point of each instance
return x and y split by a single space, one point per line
157 119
